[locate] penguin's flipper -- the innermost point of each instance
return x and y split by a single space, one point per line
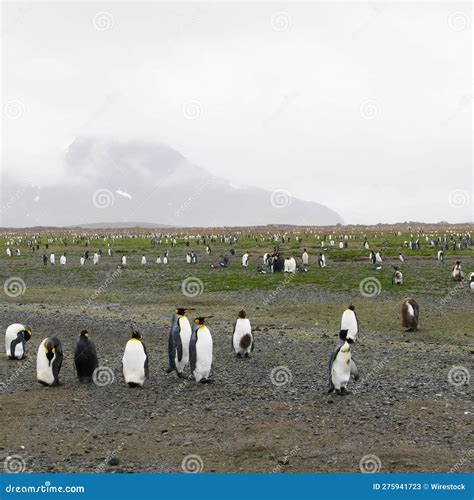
14 343
145 364
192 351
354 370
57 362
331 361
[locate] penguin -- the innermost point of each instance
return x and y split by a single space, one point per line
350 322
441 255
143 260
341 366
305 257
457 273
82 261
410 314
85 357
242 338
401 258
124 260
49 361
158 260
397 278
52 259
135 361
471 282
178 341
200 351
245 259
16 337
62 259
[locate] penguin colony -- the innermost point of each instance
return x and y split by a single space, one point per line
189 347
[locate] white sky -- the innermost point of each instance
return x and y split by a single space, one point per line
280 108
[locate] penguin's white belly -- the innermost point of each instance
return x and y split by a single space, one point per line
341 369
44 369
185 335
349 323
203 357
471 285
134 363
242 327
410 310
10 335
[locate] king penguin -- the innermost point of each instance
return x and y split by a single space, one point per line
397 277
341 366
16 337
49 361
178 341
135 361
242 338
200 351
410 314
471 282
350 323
85 357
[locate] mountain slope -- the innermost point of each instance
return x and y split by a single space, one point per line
129 181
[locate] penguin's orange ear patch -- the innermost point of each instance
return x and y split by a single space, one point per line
196 321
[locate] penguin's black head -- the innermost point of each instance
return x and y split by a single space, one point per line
50 350
84 334
351 306
242 314
201 320
136 334
343 334
27 333
181 311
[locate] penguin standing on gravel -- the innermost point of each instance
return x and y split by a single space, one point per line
242 338
457 272
178 341
200 351
471 282
410 314
16 337
350 323
85 357
341 366
397 277
49 361
135 361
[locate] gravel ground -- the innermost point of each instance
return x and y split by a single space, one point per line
404 411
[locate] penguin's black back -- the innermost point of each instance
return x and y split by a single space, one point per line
85 358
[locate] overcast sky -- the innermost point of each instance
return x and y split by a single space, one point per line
364 107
